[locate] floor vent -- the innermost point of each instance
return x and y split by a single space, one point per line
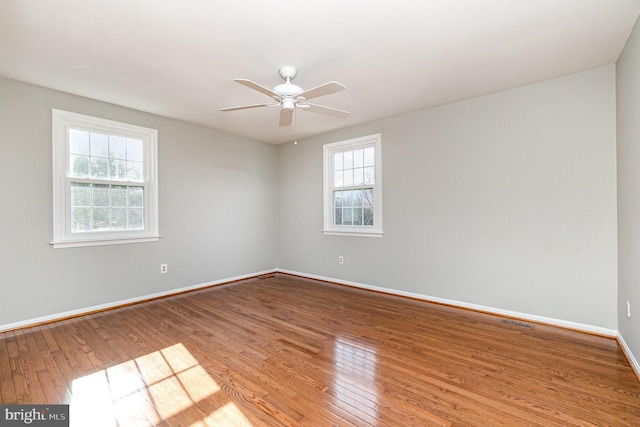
267 276
519 324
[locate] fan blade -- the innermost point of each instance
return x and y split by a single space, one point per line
245 107
325 89
286 116
259 88
324 110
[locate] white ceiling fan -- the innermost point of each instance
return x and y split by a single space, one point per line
289 96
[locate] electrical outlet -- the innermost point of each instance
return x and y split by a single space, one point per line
628 309
163 268
340 259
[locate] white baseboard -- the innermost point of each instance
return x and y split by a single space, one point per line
116 304
627 351
492 310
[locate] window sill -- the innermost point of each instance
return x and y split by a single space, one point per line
352 233
102 242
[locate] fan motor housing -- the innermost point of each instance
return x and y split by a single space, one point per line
288 90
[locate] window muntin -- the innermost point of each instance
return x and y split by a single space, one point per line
352 187
352 190
106 207
105 188
98 155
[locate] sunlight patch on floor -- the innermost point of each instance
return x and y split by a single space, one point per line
229 415
162 385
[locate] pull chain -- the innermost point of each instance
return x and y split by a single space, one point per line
295 126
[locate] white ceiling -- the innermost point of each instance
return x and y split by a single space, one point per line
178 58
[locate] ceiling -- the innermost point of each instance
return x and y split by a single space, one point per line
178 58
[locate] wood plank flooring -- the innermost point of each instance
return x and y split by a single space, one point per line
287 351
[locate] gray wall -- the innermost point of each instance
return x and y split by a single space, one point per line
506 201
217 210
628 111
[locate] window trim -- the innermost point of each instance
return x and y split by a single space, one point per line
342 230
62 235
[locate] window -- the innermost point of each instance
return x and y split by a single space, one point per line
352 188
104 181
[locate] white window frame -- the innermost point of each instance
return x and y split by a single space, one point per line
63 237
328 178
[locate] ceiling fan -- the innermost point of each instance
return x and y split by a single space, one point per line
289 96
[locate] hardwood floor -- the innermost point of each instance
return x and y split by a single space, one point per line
288 351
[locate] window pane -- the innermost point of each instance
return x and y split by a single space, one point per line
100 196
118 169
338 179
99 145
135 150
369 175
79 166
118 196
358 177
117 147
348 177
337 162
346 198
357 216
369 156
368 216
348 159
136 196
80 194
337 199
136 219
100 219
99 167
80 220
78 142
358 160
119 218
135 171
357 197
337 216
367 197
347 216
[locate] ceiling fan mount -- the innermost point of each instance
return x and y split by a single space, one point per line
289 96
288 72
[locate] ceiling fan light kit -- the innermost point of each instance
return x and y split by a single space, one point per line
289 96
